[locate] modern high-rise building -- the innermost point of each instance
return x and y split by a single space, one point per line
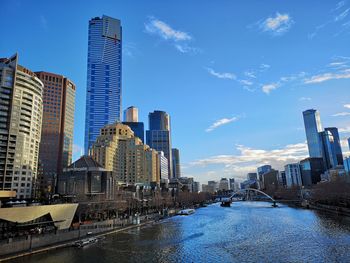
158 136
21 110
349 143
232 184
293 175
131 118
328 149
57 129
176 162
104 76
131 114
336 147
313 127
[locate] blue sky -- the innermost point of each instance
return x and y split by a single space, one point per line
235 76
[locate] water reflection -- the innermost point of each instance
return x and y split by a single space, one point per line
245 232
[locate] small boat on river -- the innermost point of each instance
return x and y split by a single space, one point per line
186 212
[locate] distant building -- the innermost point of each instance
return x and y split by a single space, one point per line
270 180
311 170
186 183
158 136
138 129
282 179
206 188
349 143
347 165
164 167
21 111
196 187
232 184
87 180
252 176
104 76
328 150
131 118
261 171
313 127
293 175
212 186
176 163
223 184
131 114
57 129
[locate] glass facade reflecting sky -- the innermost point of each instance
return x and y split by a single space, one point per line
104 66
313 126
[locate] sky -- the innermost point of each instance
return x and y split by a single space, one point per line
234 76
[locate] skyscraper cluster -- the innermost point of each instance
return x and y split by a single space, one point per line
37 122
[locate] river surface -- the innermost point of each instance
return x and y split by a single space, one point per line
244 232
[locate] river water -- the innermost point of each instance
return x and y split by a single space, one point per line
244 232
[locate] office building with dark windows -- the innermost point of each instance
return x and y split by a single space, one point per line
158 136
57 129
104 76
21 104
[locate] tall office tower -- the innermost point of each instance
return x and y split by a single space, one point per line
21 104
336 145
131 118
131 114
158 136
104 73
349 143
176 163
223 184
293 175
328 150
313 126
57 129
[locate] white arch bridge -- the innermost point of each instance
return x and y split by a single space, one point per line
228 200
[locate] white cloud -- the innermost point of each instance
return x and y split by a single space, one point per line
250 74
267 88
345 74
347 106
341 114
221 122
155 26
339 5
246 82
179 39
344 129
264 67
304 99
342 15
225 75
278 24
248 159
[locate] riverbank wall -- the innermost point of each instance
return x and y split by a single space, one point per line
13 248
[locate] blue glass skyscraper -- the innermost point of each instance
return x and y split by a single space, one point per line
104 72
158 136
336 147
313 127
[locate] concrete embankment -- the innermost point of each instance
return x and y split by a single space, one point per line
11 249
